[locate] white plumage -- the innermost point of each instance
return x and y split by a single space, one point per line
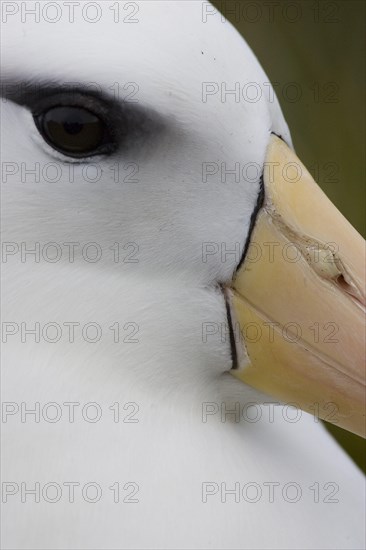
170 372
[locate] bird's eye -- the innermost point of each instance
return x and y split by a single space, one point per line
73 130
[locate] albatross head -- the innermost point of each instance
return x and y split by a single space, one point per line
209 229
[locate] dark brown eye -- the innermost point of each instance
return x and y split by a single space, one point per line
73 130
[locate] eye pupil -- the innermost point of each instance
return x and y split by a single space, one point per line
72 130
73 127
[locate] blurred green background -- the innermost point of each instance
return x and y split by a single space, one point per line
320 46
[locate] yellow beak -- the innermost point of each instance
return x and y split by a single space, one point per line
299 298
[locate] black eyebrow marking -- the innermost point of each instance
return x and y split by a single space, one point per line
125 118
28 92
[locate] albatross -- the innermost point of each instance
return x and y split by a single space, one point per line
182 303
